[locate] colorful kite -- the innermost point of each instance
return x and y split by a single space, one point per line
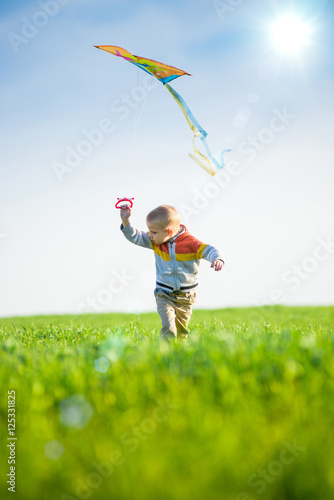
166 74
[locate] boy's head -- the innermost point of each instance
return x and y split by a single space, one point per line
163 223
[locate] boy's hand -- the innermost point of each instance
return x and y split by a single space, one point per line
125 214
217 265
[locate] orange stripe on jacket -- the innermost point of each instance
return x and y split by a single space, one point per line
188 244
184 250
191 256
161 250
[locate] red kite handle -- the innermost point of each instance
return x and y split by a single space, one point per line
121 200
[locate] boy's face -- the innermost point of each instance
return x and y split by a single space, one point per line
159 235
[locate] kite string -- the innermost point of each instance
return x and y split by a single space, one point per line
141 111
131 163
137 120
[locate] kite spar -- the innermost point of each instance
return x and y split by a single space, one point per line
166 74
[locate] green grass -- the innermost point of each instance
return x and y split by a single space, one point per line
243 410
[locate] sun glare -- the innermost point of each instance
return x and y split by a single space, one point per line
290 34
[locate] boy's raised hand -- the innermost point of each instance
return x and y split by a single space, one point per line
125 214
217 265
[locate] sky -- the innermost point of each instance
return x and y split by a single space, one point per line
80 128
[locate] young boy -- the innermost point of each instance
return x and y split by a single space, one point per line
177 255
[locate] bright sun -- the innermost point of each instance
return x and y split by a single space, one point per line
290 34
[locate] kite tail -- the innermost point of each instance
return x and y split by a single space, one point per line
198 157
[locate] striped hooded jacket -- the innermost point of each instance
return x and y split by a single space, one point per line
176 261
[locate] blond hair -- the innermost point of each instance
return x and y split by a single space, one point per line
165 216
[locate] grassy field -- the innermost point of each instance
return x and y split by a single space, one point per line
243 410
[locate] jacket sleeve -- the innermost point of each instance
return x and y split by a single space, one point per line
211 253
137 237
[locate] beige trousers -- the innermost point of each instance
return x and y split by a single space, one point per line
175 312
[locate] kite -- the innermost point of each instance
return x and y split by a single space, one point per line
166 74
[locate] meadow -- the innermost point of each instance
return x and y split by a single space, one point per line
243 410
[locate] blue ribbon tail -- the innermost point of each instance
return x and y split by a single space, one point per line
221 162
